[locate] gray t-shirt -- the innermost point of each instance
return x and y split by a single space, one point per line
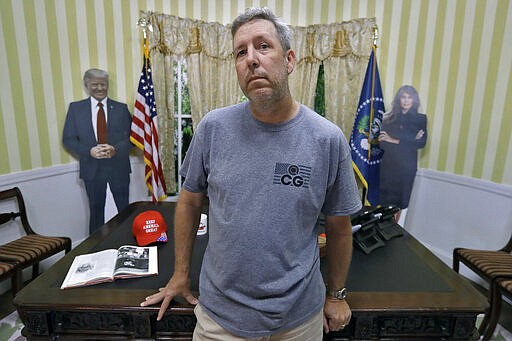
267 185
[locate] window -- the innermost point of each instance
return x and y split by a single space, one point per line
183 130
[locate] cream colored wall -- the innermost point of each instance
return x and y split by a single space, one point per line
454 52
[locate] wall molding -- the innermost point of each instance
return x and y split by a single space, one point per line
38 174
464 181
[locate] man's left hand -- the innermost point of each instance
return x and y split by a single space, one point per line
108 150
337 314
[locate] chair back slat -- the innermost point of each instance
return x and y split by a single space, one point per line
9 193
5 217
22 213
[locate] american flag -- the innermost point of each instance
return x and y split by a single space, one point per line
144 133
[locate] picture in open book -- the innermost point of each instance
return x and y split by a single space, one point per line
107 265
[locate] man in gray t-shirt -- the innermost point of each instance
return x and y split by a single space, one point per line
270 167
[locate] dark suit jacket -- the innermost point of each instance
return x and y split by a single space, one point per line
78 138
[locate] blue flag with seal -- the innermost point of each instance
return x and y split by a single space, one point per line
364 141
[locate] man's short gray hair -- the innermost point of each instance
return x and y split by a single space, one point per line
94 73
284 33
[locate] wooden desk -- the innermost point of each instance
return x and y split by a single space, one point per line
400 291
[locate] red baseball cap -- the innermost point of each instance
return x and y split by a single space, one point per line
149 227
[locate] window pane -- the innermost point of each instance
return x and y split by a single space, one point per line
183 130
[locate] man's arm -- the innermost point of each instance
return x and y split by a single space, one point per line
186 223
338 233
74 135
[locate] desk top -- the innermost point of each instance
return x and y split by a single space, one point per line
402 276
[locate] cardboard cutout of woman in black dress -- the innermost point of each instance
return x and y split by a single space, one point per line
404 131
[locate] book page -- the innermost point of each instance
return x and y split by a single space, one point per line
91 268
136 261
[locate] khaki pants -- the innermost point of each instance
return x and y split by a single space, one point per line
208 329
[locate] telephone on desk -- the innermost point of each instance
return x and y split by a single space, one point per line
372 226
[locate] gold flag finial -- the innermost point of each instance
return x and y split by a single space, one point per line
375 35
145 25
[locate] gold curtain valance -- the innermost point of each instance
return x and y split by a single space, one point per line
181 37
336 40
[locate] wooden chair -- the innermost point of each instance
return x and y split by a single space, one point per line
489 265
31 248
14 272
500 286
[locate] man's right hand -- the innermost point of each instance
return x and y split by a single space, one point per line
186 222
99 152
178 285
102 151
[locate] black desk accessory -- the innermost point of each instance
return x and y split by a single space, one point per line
365 232
387 227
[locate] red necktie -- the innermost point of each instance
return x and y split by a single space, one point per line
101 125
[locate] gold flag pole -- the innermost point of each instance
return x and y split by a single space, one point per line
374 68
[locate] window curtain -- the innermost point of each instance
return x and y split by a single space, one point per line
206 48
212 79
168 41
345 69
163 83
343 48
303 79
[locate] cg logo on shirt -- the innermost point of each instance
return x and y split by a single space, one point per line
292 175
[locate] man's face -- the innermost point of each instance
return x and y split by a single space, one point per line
261 64
97 88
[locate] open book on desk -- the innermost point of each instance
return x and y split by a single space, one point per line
108 265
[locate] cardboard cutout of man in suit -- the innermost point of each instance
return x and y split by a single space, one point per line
101 162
